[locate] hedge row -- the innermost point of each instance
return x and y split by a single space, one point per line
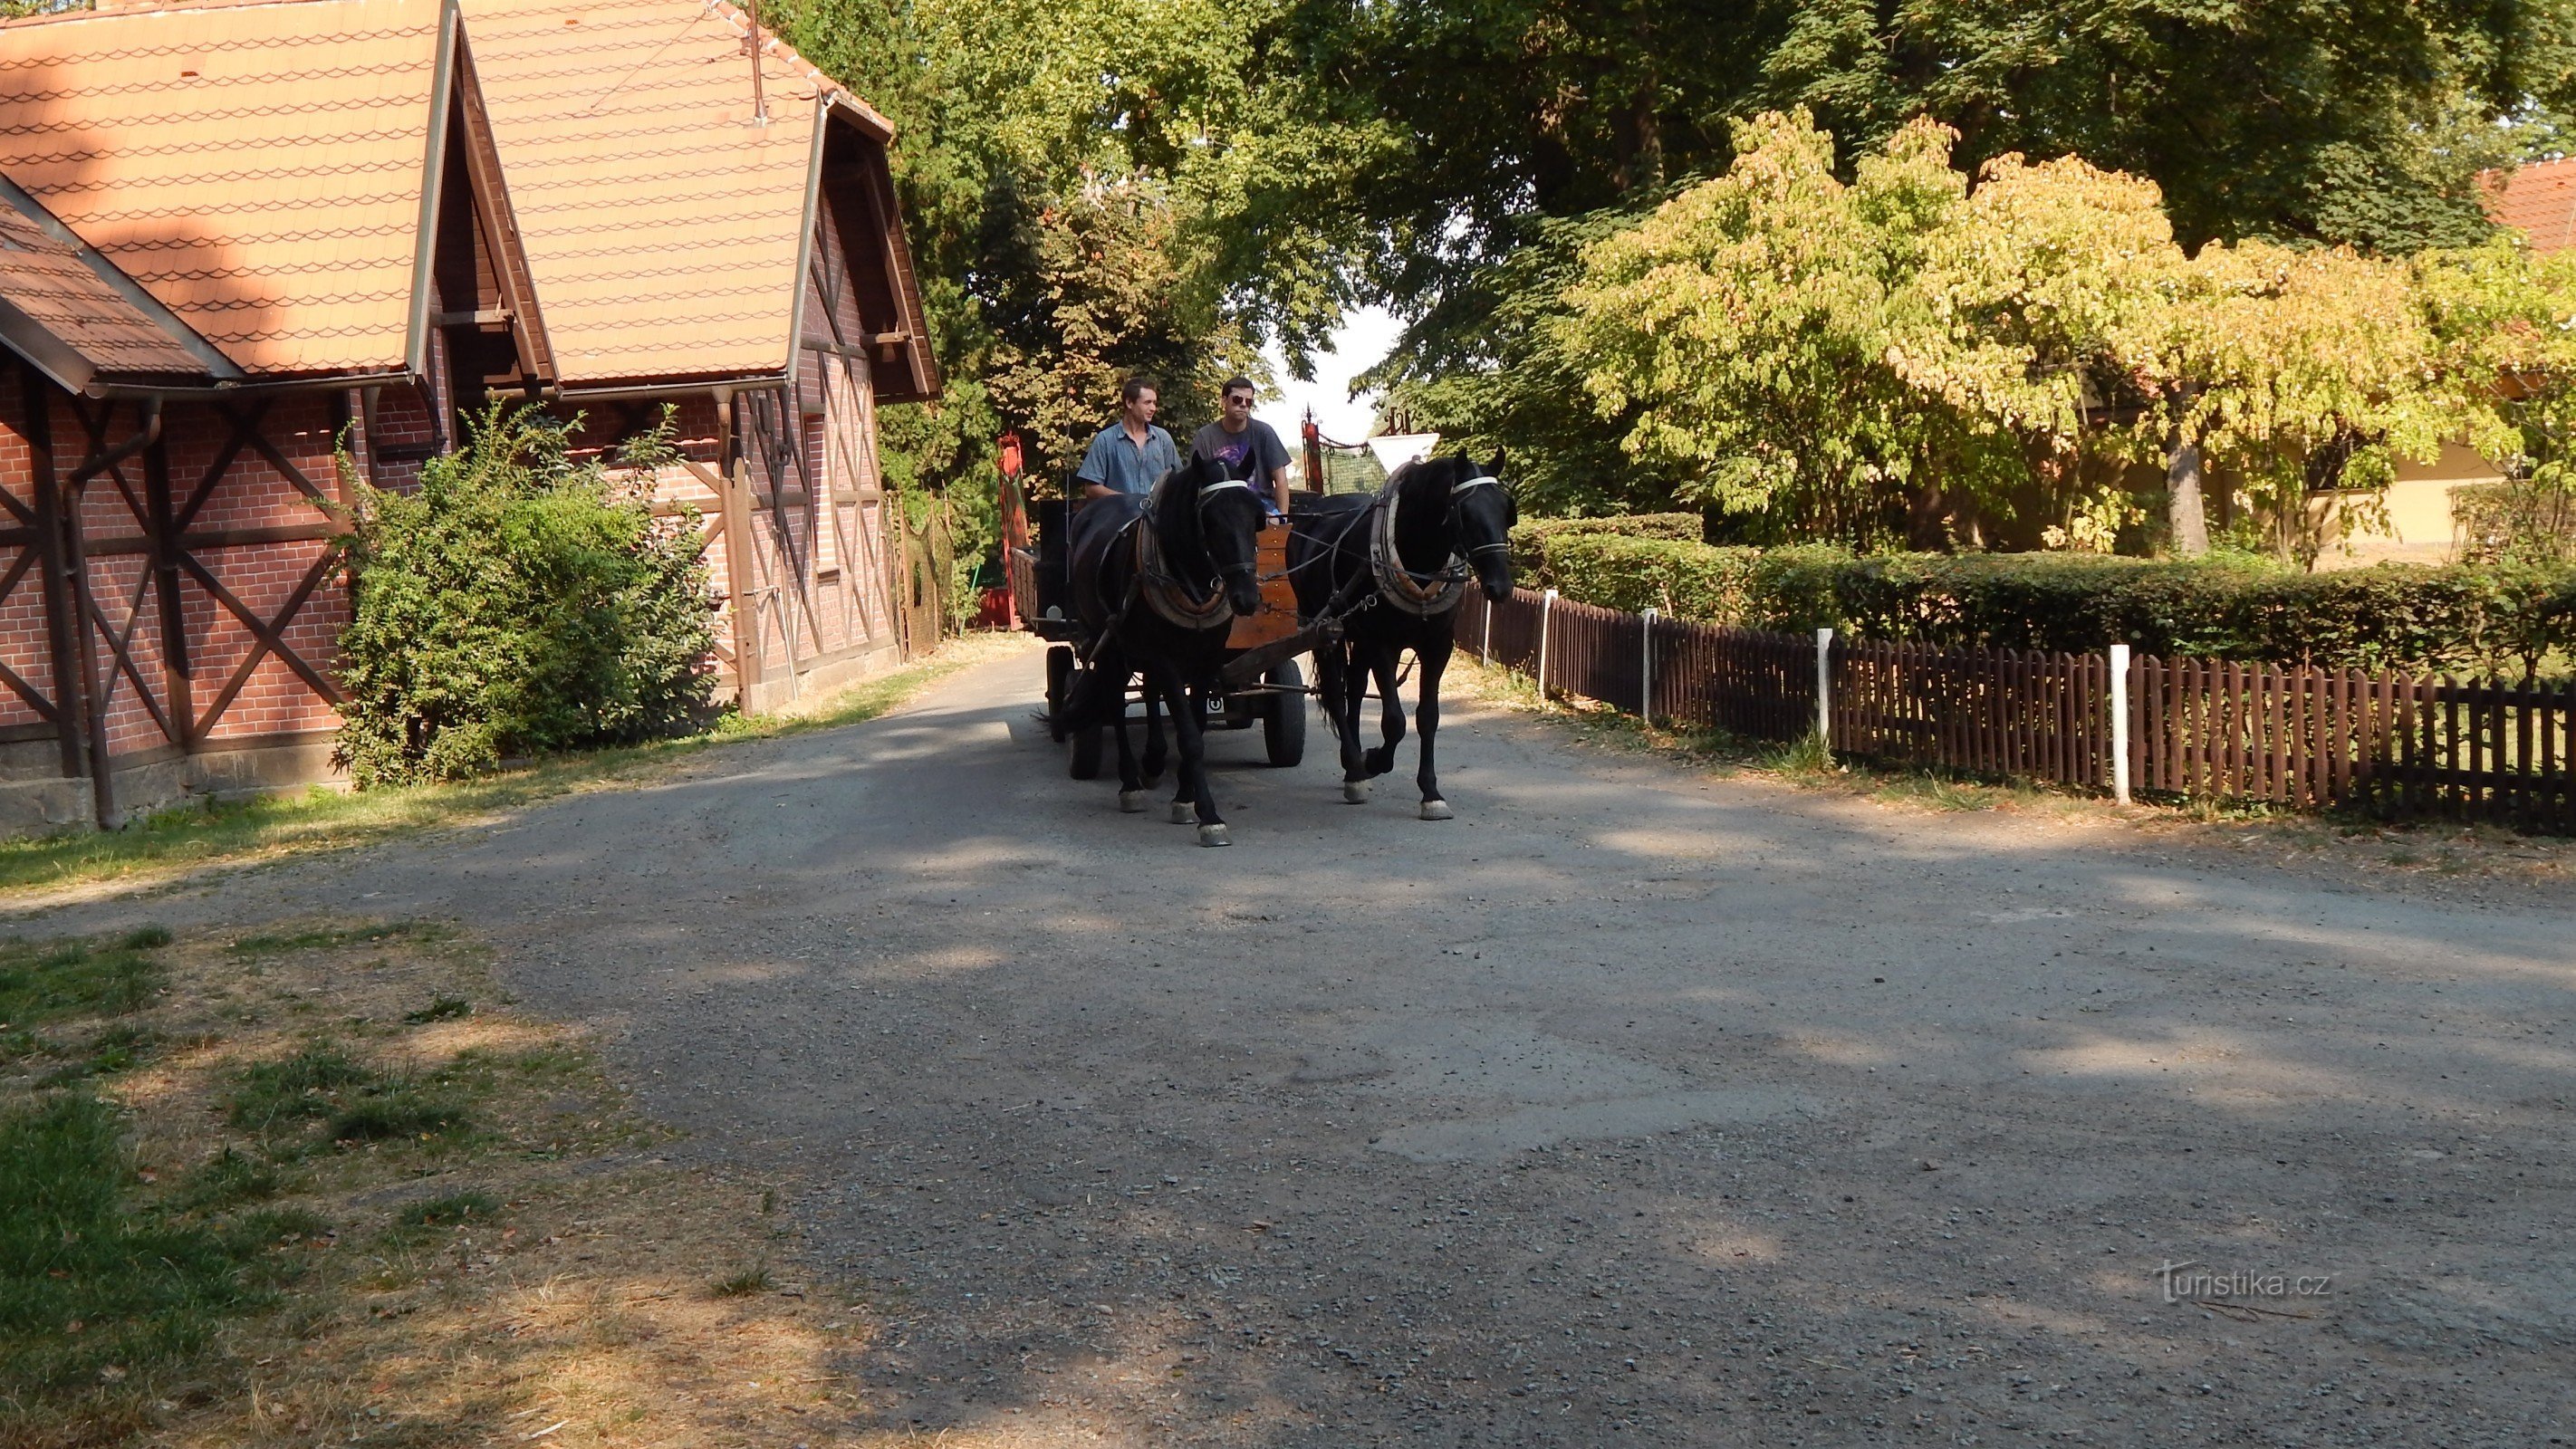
2491 620
1531 540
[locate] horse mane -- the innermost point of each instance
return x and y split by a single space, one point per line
1428 480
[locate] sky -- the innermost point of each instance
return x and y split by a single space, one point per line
1360 343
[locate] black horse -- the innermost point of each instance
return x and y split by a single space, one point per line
1157 582
1395 566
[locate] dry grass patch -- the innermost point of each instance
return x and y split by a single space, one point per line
348 1196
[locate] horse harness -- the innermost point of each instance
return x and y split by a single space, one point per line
1420 594
1164 593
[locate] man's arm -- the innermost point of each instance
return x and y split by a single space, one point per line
1093 470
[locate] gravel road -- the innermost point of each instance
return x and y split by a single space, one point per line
1628 1107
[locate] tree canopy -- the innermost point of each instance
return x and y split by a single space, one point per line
1099 184
1902 357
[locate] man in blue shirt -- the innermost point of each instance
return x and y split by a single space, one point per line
1130 455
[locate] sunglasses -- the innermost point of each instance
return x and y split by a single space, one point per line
1244 398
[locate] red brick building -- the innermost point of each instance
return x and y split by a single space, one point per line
244 246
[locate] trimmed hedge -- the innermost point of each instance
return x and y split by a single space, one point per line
1531 539
2496 620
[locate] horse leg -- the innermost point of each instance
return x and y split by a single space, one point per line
1350 680
1390 711
1426 717
1155 755
1188 725
1131 788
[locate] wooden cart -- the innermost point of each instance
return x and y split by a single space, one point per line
1260 683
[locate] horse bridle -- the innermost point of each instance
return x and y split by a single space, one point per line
1223 571
1481 480
1164 593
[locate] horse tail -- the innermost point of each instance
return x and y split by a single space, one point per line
1332 659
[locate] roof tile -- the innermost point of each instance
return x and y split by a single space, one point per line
2539 200
47 280
257 166
625 129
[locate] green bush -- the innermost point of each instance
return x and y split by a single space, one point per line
1532 537
517 603
2498 620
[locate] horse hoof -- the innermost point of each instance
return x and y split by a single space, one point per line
1355 792
1131 802
1436 810
1214 835
1183 812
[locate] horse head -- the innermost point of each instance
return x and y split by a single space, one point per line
1483 512
1216 517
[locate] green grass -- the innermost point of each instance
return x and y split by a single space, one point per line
323 938
456 1207
440 1008
228 833
355 1102
42 981
117 1049
228 1179
97 1289
742 1284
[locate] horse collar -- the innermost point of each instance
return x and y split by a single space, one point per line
1421 597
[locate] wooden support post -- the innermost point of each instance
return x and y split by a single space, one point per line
1646 670
1825 692
733 503
62 623
1546 616
164 543
2120 723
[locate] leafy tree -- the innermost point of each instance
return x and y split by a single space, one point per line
1108 291
1858 360
2306 122
1744 332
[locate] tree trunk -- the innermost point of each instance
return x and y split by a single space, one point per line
2185 517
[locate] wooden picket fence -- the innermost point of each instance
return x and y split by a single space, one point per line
2392 744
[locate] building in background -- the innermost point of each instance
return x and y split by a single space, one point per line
243 242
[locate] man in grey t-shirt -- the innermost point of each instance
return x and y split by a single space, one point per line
1249 448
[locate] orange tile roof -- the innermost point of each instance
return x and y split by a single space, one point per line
74 316
257 166
2539 200
663 228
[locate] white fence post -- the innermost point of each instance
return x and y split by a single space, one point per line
2120 723
1546 612
1646 673
1825 691
1489 629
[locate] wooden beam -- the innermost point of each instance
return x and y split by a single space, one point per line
219 538
160 531
70 725
499 224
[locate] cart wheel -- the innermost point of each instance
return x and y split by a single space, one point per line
1086 752
1283 722
1059 685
